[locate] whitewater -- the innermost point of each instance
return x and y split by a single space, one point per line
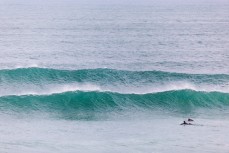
114 76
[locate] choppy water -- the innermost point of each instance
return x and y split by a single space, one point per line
107 76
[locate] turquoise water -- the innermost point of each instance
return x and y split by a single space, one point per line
114 76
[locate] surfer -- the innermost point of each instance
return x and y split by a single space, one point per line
185 123
190 120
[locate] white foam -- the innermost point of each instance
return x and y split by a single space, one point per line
172 86
48 89
26 66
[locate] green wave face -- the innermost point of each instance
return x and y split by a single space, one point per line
78 104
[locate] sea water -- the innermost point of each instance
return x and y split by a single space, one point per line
114 76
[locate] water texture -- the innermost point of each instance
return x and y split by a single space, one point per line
114 76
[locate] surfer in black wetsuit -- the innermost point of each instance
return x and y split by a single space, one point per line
185 123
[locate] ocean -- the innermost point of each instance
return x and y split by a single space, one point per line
109 76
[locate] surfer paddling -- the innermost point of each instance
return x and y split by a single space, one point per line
186 123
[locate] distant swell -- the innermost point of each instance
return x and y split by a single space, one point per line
108 75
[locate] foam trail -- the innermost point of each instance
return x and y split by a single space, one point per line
51 89
48 89
170 86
